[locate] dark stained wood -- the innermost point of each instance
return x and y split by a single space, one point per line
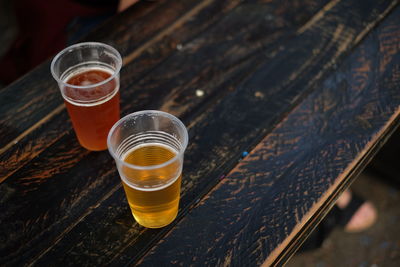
254 61
255 211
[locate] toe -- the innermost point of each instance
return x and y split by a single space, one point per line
362 219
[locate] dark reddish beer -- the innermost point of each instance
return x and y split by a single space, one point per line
92 102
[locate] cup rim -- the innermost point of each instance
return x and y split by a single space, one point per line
151 167
77 46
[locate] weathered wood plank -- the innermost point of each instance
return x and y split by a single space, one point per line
255 211
213 150
28 178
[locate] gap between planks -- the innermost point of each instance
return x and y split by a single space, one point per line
319 15
166 31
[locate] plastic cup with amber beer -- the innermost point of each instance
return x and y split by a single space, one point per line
148 148
88 77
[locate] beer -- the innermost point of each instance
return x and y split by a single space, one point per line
92 110
153 196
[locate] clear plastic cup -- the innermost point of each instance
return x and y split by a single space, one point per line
148 148
88 78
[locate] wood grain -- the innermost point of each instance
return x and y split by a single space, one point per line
255 211
44 169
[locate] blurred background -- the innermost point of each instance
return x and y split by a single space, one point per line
34 30
8 28
379 183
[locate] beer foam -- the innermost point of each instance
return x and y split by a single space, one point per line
76 70
107 98
81 68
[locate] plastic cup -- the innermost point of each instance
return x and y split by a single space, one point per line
148 148
88 78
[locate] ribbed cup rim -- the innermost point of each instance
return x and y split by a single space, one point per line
149 112
78 46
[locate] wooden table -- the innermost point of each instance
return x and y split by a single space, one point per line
309 89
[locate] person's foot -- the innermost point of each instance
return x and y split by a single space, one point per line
363 218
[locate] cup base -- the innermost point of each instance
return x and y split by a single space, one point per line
156 221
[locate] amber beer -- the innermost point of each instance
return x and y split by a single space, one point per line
148 148
95 110
88 78
157 204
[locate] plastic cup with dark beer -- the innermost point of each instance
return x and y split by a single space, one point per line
88 78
